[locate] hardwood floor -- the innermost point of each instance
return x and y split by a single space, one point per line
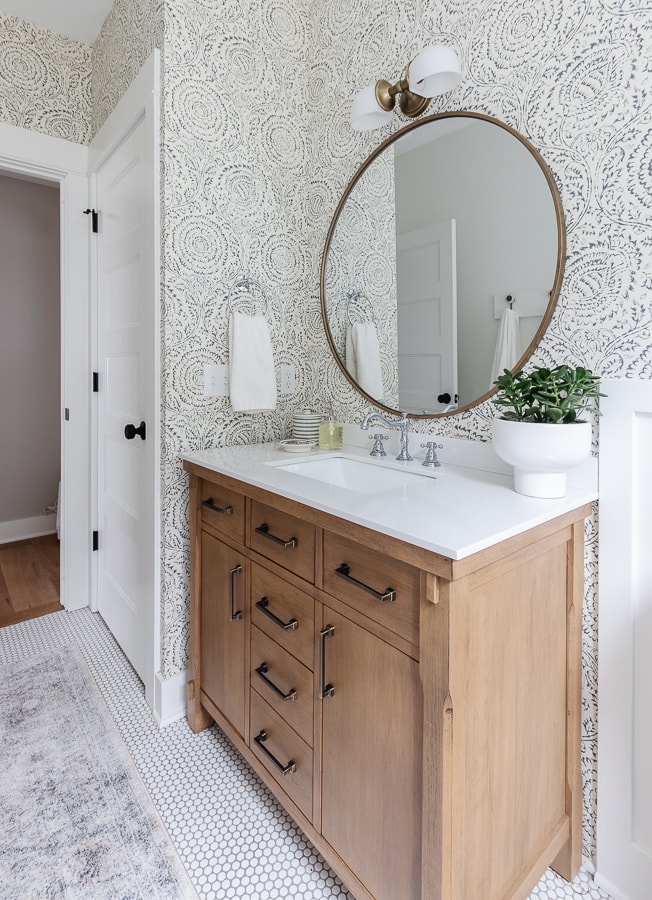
29 579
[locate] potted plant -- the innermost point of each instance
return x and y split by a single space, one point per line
540 432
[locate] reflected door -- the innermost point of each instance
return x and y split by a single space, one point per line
427 317
126 476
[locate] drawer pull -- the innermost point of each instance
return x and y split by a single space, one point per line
224 511
233 613
325 690
389 595
263 606
289 769
287 545
262 671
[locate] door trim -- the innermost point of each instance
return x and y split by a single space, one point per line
141 102
55 161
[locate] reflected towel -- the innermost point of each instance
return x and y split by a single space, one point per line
508 345
252 378
363 358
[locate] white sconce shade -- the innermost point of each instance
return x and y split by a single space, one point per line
365 111
434 71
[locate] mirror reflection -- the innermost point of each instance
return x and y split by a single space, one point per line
441 225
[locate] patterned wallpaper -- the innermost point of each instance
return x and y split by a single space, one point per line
257 150
362 258
238 197
130 32
45 82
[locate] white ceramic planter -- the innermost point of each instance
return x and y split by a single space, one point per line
541 453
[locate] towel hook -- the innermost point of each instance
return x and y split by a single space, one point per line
357 303
511 300
242 290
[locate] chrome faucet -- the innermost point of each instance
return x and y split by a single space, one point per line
402 425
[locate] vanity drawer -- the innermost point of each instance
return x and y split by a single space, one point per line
223 509
287 540
279 748
284 613
361 578
283 682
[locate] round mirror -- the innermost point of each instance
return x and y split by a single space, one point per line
443 264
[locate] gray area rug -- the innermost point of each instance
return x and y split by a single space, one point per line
75 818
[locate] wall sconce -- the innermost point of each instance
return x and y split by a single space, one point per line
434 71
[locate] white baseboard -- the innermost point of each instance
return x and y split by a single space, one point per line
24 529
170 698
614 892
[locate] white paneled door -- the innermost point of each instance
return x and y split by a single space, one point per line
624 834
427 317
126 332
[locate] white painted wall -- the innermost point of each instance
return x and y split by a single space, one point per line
30 383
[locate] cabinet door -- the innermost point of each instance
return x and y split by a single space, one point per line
371 785
223 629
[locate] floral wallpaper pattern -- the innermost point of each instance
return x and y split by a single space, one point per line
45 83
237 150
257 149
130 32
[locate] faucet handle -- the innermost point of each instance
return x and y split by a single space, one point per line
431 457
378 449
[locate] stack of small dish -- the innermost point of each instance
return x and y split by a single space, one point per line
305 425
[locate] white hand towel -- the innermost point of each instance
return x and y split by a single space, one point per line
508 345
252 377
366 356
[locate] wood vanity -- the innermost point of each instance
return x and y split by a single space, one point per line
418 716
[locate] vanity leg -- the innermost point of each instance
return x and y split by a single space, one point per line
437 740
198 718
569 859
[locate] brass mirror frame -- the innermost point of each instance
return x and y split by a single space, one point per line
559 271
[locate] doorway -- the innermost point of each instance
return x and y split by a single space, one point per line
39 158
30 373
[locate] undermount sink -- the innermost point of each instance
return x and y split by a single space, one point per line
353 474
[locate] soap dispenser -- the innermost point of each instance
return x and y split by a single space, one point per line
330 433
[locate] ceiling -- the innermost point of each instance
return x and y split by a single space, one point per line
80 20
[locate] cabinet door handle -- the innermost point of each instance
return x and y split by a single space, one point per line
262 671
264 530
387 596
263 606
289 769
325 690
233 613
224 511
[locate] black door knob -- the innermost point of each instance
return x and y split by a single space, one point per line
131 431
444 398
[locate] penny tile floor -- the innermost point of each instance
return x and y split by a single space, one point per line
231 834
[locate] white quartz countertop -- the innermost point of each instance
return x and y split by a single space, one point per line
455 510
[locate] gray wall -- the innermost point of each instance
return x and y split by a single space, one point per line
29 348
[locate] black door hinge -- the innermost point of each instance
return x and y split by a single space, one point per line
66 414
94 219
96 382
96 540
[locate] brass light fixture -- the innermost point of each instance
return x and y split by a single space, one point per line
435 70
